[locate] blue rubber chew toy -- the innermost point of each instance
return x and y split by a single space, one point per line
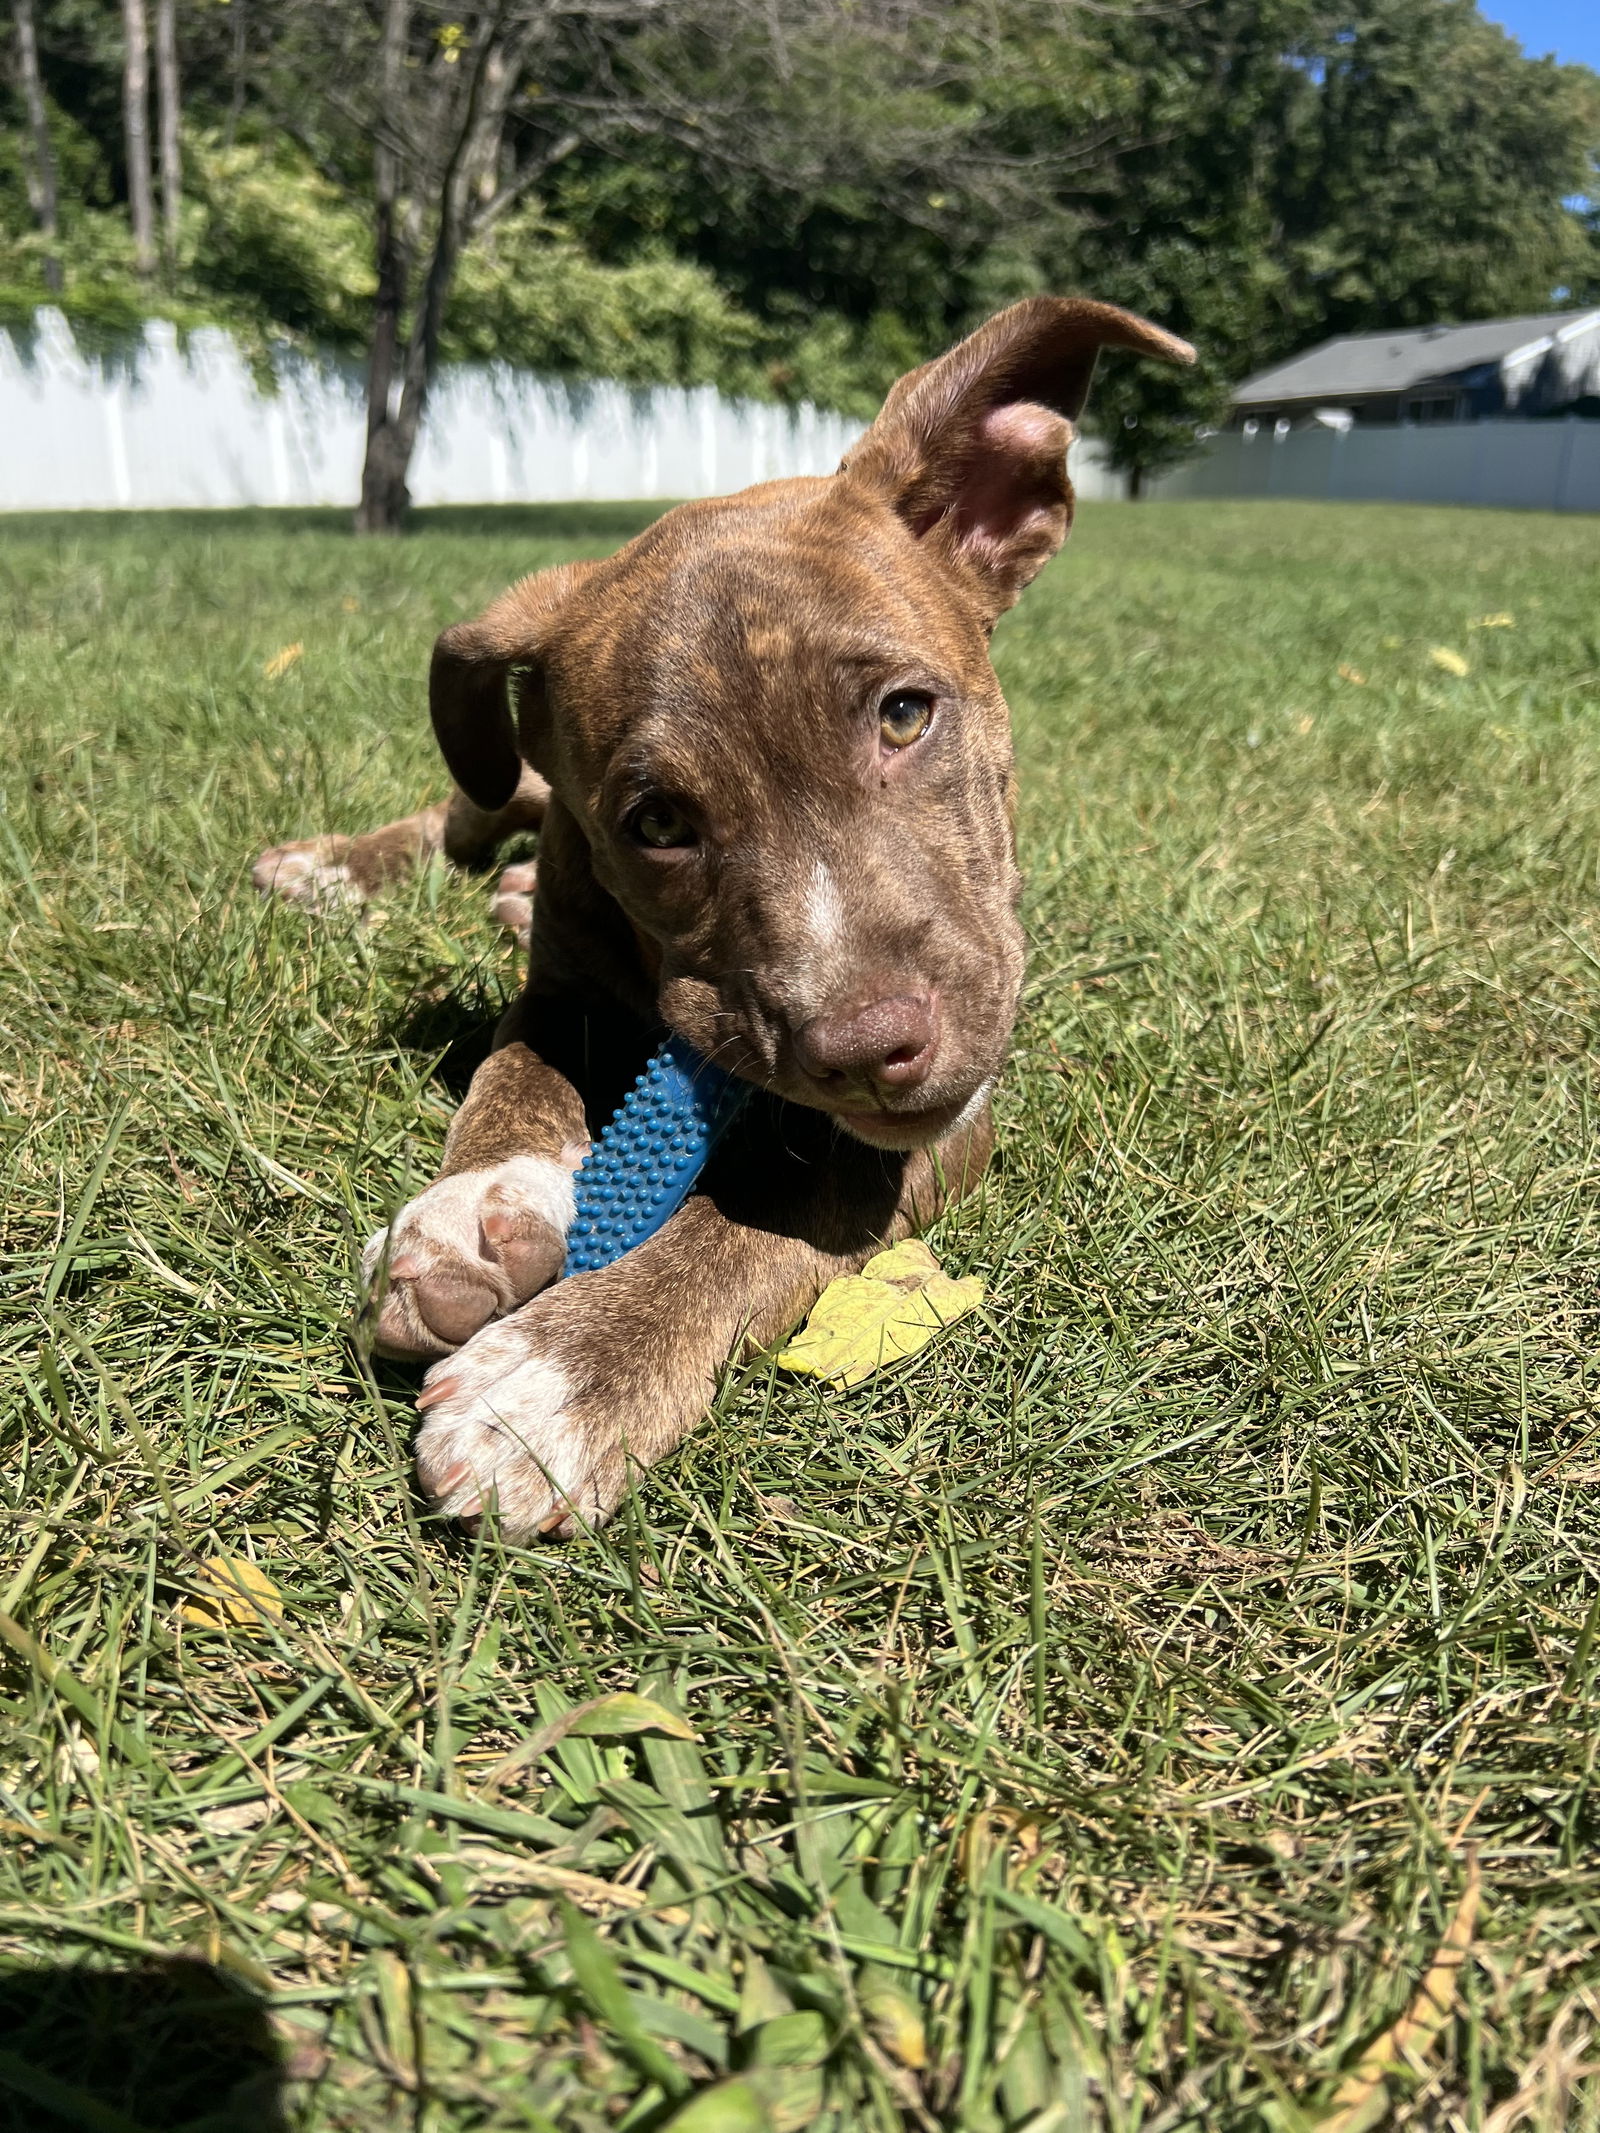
643 1167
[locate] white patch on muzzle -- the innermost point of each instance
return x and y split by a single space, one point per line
824 911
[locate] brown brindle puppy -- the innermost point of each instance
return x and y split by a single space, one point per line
774 772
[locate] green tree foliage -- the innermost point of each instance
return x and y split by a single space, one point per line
1304 171
1586 281
865 210
803 202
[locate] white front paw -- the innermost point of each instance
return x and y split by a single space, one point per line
512 906
312 873
469 1249
501 1429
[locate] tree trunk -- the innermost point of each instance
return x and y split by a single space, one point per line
480 125
42 171
167 109
236 66
136 132
1135 484
385 499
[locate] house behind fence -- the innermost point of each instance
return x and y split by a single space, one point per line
173 424
1516 369
1500 412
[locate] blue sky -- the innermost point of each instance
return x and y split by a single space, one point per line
1569 28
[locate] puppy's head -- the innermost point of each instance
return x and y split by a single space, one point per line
774 719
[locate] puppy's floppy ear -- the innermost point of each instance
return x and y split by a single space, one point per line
467 683
971 450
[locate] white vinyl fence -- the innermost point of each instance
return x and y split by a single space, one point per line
172 424
1527 466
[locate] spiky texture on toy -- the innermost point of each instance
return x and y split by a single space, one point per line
644 1165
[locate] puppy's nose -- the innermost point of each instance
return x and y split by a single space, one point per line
890 1041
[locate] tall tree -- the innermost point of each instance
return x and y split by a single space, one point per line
1437 179
467 114
1186 224
437 126
380 504
41 168
136 132
1305 168
168 111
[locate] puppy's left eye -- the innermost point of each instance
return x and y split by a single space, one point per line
656 822
904 717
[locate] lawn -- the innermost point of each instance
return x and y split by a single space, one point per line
1121 1718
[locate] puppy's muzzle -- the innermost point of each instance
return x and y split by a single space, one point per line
887 1043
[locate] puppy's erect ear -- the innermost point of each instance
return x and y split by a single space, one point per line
971 450
467 682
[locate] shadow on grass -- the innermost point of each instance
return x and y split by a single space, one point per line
459 1028
610 522
599 1049
167 2047
542 522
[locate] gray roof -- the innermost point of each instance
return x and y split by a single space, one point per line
1394 362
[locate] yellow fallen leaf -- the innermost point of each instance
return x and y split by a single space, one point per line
1452 662
350 604
1353 674
281 662
1365 2097
896 2021
232 1592
891 1309
1493 622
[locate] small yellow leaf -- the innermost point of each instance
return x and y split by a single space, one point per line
281 662
232 1592
891 1309
897 2024
1353 674
1452 662
350 604
1493 622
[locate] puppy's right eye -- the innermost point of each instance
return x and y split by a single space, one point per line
904 717
661 825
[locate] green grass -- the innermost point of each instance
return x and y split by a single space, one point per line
1095 1720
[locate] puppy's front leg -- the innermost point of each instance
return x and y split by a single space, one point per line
491 1230
335 873
543 1413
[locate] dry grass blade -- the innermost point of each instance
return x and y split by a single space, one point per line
1366 2095
1554 2078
